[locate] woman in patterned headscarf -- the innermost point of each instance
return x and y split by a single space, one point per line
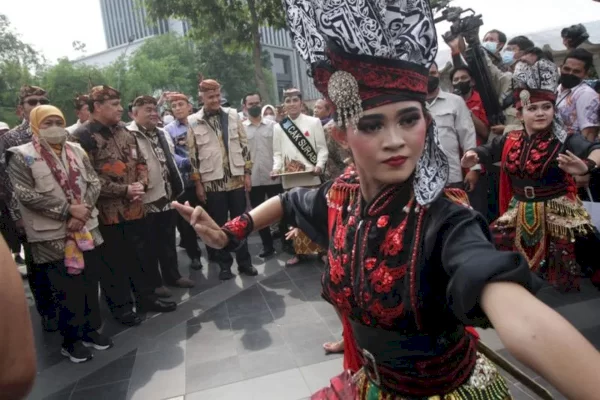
542 217
410 266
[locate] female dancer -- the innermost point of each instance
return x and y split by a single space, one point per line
408 267
541 216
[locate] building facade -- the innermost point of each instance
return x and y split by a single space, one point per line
126 27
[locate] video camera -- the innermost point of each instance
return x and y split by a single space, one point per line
467 26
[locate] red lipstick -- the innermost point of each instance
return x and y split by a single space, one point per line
397 161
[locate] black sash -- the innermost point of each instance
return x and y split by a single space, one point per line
297 137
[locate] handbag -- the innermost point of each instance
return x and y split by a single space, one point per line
592 208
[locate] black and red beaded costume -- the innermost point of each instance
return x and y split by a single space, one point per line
407 269
542 217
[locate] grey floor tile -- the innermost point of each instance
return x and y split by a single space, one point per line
277 277
206 348
202 376
218 327
334 324
234 391
518 394
555 393
302 332
257 340
159 375
286 385
303 313
323 308
250 301
116 371
491 339
64 394
303 270
318 376
265 362
311 351
173 338
252 322
310 286
114 391
283 294
216 313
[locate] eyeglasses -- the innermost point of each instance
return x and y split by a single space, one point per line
35 102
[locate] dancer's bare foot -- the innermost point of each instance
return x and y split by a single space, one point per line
334 347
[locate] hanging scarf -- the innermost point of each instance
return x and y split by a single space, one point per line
75 242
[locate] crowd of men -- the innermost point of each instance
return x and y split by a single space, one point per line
227 161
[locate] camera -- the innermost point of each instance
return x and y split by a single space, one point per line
467 26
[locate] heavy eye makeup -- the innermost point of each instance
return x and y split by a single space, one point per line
407 118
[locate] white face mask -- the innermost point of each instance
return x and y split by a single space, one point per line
270 117
167 119
491 46
54 135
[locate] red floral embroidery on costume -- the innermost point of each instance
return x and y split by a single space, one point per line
306 134
386 316
392 244
367 297
383 221
336 270
345 259
352 220
370 263
384 278
339 238
366 319
239 227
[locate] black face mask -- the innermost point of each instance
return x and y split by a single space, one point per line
432 84
255 111
569 81
462 88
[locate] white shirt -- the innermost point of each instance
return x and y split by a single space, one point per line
456 130
284 148
74 127
260 145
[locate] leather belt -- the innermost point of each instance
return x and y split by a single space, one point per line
538 193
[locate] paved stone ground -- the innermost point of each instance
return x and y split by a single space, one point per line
249 338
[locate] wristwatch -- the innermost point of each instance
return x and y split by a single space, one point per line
592 166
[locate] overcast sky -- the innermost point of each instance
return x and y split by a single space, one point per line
52 25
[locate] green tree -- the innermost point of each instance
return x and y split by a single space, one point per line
18 64
236 23
65 80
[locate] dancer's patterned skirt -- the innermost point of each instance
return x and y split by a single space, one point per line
304 246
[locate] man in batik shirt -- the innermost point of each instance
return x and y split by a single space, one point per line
116 156
29 98
164 185
221 168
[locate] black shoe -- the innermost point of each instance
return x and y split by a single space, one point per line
196 264
49 324
19 259
226 275
129 319
159 306
249 270
267 253
76 352
97 340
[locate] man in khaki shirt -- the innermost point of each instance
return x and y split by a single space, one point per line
221 168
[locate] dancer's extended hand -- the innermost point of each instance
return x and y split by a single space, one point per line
206 228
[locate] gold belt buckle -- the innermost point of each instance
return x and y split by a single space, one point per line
529 192
370 361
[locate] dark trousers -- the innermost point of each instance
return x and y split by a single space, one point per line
220 206
76 295
8 229
258 195
493 173
189 238
161 248
124 256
